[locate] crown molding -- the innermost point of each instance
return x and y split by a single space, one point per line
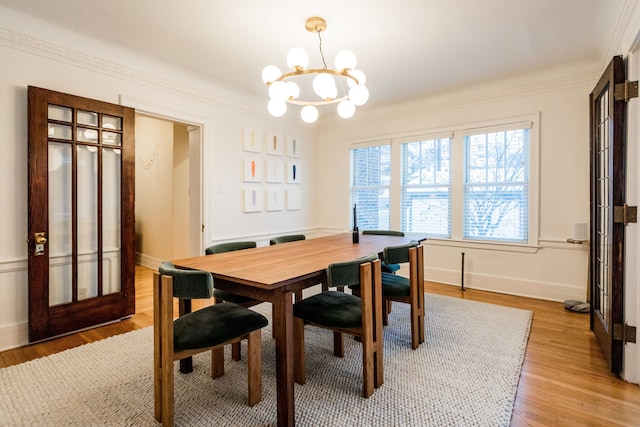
49 50
472 96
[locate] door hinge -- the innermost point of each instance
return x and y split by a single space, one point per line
625 214
624 333
625 91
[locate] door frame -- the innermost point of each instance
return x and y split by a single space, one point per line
198 210
612 248
631 366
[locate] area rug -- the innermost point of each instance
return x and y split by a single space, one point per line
465 374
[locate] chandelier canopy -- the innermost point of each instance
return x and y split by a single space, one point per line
344 85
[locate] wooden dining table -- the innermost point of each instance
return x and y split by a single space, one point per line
274 274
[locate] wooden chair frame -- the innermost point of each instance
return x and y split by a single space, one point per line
165 356
415 298
370 334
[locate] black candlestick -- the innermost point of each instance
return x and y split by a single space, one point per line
355 234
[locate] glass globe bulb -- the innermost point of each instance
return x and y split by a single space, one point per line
346 109
362 79
309 113
297 59
278 91
359 95
277 108
293 90
270 73
345 60
323 85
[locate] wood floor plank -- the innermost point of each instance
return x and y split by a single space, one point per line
565 380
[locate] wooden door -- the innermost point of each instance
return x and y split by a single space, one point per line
81 213
607 195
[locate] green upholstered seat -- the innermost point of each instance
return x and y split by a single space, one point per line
395 285
385 266
215 325
286 239
332 308
211 325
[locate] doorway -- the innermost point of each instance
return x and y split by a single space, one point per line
168 190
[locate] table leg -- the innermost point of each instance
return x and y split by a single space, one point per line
283 327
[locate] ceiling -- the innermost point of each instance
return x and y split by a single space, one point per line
408 49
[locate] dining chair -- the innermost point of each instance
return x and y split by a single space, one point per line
344 313
221 296
209 328
405 290
386 268
287 239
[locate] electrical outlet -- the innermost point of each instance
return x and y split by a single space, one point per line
83 293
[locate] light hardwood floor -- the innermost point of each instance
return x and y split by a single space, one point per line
565 380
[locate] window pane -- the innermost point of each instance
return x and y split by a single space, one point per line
87 118
87 227
497 186
60 238
111 230
426 187
370 179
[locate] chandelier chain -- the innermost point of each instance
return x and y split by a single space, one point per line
324 63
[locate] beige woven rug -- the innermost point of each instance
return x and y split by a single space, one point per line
465 374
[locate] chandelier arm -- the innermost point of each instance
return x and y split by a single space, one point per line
295 73
323 102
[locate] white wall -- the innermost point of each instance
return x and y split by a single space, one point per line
555 269
36 54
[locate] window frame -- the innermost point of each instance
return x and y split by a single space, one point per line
457 154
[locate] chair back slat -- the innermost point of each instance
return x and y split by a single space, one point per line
398 254
348 272
228 247
384 232
188 284
286 239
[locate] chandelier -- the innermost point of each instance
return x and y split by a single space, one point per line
285 88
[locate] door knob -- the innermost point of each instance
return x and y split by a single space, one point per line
40 240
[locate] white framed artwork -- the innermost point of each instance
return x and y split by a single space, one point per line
275 199
253 140
293 146
275 171
253 201
252 170
275 144
294 200
293 173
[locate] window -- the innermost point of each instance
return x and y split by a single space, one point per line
426 187
496 187
473 183
370 180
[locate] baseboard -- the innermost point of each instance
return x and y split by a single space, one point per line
13 336
508 285
148 261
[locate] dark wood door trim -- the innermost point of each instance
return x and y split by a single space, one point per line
611 247
46 321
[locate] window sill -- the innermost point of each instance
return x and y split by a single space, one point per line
489 246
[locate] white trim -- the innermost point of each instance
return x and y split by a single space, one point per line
507 285
206 144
